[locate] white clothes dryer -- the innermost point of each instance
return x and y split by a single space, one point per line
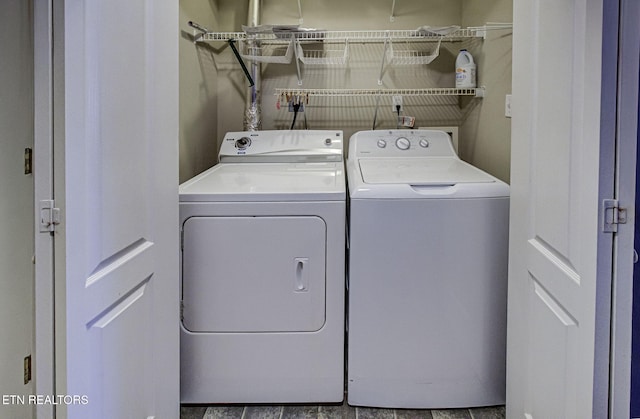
263 271
427 274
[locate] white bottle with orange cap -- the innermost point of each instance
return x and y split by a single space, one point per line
465 70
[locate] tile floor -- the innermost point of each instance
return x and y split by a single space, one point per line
343 411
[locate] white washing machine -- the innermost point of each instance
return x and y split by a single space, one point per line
263 271
427 274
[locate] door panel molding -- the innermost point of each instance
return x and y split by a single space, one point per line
558 259
118 258
556 308
112 312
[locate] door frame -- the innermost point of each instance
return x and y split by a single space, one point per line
625 120
44 367
603 382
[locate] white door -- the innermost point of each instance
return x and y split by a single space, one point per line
116 184
16 205
556 246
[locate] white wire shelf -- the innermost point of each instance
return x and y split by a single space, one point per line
341 36
434 91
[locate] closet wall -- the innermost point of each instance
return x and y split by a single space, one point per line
198 89
486 132
213 87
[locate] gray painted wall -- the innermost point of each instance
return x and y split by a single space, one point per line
16 205
486 132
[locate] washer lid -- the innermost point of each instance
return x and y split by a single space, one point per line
421 171
267 182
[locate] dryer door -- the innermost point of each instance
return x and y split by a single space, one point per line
254 274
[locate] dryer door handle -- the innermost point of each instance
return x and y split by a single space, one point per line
301 282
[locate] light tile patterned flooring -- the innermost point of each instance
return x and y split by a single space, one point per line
343 411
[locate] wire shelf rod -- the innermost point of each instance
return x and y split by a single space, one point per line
362 35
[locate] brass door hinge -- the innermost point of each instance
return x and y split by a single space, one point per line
613 215
27 369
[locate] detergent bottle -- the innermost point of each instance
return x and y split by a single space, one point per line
465 70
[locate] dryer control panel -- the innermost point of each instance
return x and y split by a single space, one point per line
282 146
401 143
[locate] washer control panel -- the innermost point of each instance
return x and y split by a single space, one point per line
282 146
401 143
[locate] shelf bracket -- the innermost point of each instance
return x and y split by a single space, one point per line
387 40
241 61
392 18
197 28
375 114
295 52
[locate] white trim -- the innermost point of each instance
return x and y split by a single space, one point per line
43 180
602 354
627 134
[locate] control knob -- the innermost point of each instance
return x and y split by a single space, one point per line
403 143
243 143
424 143
382 143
